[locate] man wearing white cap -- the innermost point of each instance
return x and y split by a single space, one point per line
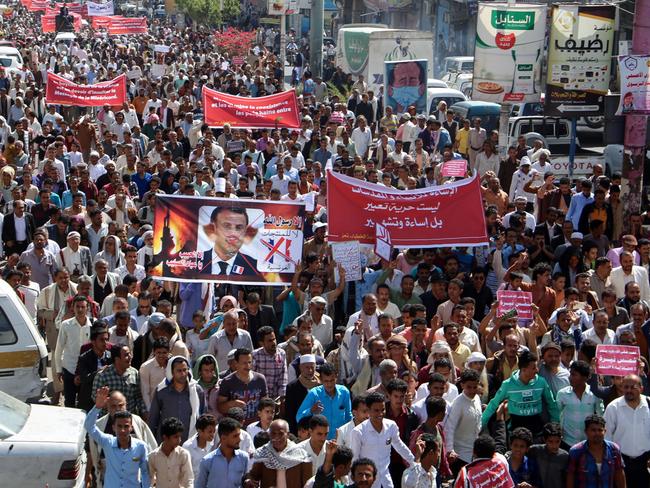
318 243
519 179
95 168
322 325
75 258
520 206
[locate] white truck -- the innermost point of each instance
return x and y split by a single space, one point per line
361 49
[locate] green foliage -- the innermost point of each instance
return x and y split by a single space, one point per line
209 12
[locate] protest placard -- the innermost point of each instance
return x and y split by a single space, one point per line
455 167
613 360
383 244
522 301
347 255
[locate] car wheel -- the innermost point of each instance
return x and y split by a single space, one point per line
595 122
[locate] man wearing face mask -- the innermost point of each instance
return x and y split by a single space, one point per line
407 85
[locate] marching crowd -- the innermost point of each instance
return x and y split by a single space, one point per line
411 376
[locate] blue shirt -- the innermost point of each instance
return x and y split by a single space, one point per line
142 183
578 202
215 470
123 466
67 198
337 410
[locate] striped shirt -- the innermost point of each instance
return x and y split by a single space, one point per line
574 410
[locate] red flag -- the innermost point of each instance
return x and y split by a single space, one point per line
438 216
279 110
63 92
48 22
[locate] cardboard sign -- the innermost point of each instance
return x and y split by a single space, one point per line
617 360
348 255
383 244
522 301
455 167
238 60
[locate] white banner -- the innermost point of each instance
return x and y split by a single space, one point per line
100 9
509 51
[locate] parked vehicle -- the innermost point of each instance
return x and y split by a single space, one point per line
435 83
23 354
41 445
362 49
459 64
437 95
10 59
552 131
488 112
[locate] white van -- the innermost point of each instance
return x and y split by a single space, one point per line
23 354
10 59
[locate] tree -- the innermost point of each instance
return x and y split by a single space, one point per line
209 12
234 41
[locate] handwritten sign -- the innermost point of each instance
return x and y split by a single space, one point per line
455 167
520 300
383 244
238 60
348 255
617 360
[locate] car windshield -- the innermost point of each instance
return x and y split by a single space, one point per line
13 415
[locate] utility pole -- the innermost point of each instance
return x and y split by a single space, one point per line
635 125
283 41
316 38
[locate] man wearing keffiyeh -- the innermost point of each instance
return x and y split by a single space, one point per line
280 462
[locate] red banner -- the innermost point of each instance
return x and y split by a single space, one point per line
612 360
98 22
63 92
127 25
37 5
73 8
438 216
522 301
279 110
48 22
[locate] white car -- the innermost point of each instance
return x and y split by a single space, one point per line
448 95
41 445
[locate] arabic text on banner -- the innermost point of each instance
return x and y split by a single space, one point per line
105 8
225 240
348 255
613 360
579 58
427 217
520 300
508 53
635 84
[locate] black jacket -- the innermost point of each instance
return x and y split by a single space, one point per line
9 227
